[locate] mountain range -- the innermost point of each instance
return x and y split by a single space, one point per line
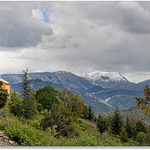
104 91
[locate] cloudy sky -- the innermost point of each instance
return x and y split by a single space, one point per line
76 36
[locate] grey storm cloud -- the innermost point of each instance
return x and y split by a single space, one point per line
18 28
134 17
80 37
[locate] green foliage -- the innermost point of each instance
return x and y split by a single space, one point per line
128 127
34 123
39 107
15 104
143 103
61 117
2 125
90 113
116 123
28 99
102 124
123 135
107 140
148 138
47 121
3 95
141 137
140 126
73 102
85 112
46 96
26 135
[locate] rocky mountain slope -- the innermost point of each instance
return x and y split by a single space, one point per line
96 86
60 77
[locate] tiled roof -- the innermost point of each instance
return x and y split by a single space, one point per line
4 81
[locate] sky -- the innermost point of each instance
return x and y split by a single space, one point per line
78 37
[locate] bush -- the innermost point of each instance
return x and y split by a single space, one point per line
26 135
15 104
2 125
141 137
39 107
34 123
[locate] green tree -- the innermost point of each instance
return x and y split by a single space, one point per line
116 123
85 112
141 137
90 113
61 117
123 135
28 98
128 127
144 103
3 95
73 102
101 124
46 96
15 104
48 121
140 126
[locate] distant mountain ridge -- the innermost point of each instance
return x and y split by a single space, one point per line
60 77
105 87
98 106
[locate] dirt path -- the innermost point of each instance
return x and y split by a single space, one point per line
88 122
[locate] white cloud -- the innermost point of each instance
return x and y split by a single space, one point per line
37 14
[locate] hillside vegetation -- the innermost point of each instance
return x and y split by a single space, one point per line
48 117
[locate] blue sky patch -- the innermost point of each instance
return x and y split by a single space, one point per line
46 16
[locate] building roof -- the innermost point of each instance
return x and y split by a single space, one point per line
4 81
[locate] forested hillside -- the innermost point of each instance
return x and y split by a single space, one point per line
50 117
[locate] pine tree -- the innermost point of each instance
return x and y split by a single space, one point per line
129 129
101 124
90 113
3 95
123 135
116 123
28 100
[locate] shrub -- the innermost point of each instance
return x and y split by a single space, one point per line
34 123
15 104
39 107
26 135
141 137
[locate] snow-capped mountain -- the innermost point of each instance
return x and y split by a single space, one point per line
104 76
108 80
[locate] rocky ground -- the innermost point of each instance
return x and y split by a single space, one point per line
5 141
